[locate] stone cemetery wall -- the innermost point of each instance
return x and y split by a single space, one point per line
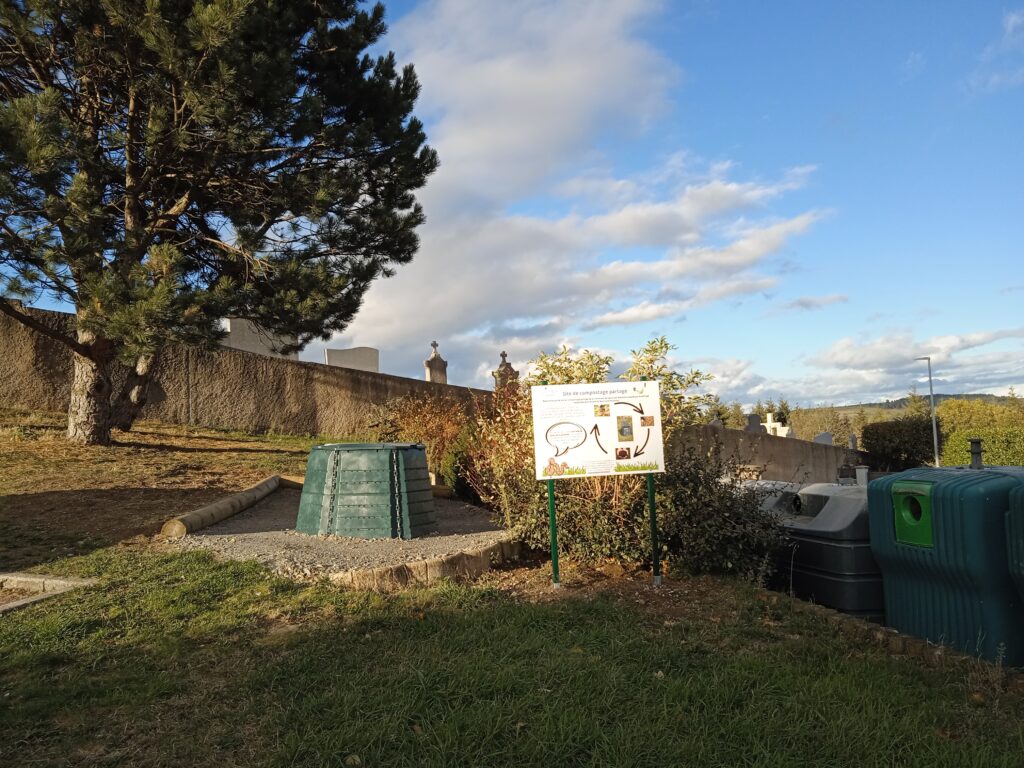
223 387
233 389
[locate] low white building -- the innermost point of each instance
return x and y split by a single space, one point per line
245 336
356 358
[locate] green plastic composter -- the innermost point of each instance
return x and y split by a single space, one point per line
1015 539
939 538
367 490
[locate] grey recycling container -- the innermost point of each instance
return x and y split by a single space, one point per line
828 559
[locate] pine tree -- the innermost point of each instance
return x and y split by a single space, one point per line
168 163
783 411
917 405
734 417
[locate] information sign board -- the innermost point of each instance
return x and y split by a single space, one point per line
590 430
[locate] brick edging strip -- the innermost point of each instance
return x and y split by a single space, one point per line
900 644
461 566
43 585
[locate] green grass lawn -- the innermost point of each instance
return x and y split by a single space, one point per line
177 660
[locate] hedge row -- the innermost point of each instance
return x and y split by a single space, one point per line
1001 447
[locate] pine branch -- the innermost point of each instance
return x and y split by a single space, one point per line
27 320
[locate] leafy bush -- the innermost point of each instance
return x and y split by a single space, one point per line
973 415
900 444
1000 446
441 422
708 524
810 422
709 521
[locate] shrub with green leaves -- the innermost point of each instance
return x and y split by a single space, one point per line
1000 447
900 444
709 521
441 422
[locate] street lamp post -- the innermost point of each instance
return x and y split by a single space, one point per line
931 398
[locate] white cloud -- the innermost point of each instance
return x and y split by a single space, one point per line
898 350
816 302
1001 63
516 98
912 67
878 369
513 86
640 313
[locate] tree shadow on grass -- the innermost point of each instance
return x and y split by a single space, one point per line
194 663
37 528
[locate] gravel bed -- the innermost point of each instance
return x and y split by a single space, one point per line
265 532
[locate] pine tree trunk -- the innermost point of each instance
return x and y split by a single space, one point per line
134 393
89 410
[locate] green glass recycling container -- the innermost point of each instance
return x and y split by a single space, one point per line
939 538
1015 539
367 491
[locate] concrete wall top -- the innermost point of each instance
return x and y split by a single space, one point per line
783 458
245 336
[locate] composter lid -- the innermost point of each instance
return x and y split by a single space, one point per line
365 446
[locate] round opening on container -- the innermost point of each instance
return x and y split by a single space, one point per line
912 507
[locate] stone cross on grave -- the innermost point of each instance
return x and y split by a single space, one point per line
436 367
505 374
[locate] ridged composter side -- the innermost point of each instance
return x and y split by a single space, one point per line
367 490
1015 539
939 537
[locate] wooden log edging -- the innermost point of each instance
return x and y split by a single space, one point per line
460 566
197 519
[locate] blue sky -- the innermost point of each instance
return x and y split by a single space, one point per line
802 196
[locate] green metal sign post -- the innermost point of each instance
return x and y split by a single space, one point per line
553 523
655 546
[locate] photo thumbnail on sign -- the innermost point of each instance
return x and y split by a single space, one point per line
625 428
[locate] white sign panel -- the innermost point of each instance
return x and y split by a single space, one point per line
586 430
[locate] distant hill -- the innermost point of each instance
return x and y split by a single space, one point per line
902 402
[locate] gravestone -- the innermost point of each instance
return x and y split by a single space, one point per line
504 374
436 367
825 438
754 424
717 424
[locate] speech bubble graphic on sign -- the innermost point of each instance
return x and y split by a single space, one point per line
564 436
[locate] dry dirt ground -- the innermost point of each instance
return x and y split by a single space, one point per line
58 499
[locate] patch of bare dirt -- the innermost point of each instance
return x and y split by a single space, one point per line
12 596
705 597
58 498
